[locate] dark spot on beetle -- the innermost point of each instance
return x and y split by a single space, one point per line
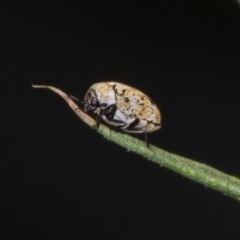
122 93
103 105
126 99
110 111
133 124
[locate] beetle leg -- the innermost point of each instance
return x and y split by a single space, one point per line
98 118
146 139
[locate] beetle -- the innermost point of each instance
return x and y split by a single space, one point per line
122 106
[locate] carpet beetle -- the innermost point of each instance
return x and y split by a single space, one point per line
122 106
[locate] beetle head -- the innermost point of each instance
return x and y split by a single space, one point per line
90 101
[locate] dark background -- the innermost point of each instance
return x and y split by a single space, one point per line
60 179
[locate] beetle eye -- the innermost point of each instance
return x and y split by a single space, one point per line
94 101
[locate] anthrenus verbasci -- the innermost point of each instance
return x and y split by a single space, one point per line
123 106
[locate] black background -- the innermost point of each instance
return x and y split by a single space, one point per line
62 180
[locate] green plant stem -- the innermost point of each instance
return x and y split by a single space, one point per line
208 176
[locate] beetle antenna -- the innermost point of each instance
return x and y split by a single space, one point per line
76 99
